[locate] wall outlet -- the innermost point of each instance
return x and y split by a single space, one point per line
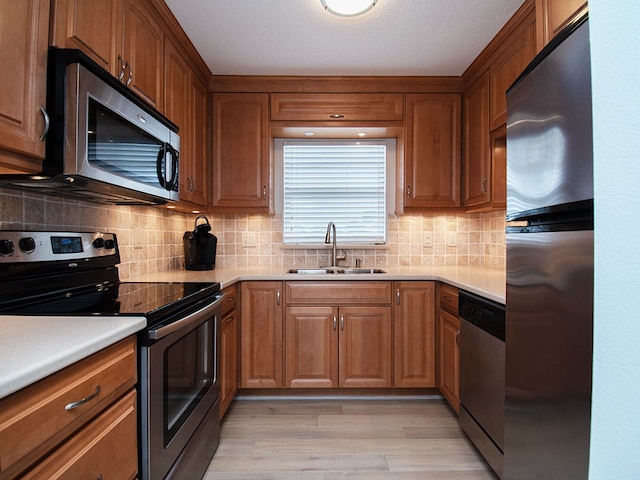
427 240
248 239
452 241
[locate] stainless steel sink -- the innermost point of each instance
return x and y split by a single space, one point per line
354 271
334 271
312 271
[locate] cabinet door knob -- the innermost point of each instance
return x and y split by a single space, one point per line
335 323
129 78
278 297
342 322
397 296
484 185
408 191
264 192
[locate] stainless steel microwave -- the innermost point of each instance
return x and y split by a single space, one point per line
104 143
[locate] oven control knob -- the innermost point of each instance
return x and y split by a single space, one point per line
27 244
98 243
6 248
109 244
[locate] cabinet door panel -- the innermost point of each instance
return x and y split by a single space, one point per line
476 144
415 346
144 52
261 335
104 449
241 151
229 359
553 15
365 347
449 329
432 158
23 36
505 70
93 27
311 347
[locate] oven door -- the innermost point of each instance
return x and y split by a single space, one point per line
178 384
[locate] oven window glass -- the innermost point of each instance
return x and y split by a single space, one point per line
116 145
189 373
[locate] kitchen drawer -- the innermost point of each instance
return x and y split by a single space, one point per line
230 299
337 293
337 107
106 448
449 299
34 419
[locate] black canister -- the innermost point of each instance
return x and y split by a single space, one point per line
200 246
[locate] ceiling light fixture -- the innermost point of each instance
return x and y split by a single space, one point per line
348 8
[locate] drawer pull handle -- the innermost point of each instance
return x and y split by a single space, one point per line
342 322
335 323
448 299
72 405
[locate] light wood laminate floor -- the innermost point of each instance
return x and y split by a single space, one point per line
344 439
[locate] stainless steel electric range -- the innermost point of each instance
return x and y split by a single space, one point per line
75 273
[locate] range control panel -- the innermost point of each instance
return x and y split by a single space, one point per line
26 247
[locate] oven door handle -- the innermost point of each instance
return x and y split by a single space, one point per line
192 319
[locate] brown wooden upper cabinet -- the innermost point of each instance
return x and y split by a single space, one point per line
337 107
241 158
477 155
505 70
432 152
553 15
23 36
124 36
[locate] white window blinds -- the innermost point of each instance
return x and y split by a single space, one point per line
334 181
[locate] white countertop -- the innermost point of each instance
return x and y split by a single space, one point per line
488 283
34 347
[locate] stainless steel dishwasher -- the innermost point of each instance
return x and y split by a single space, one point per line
482 375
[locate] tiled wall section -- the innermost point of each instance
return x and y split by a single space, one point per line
151 238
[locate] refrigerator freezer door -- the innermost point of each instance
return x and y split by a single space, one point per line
549 130
548 355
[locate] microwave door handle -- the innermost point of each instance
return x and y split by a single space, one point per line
160 164
174 155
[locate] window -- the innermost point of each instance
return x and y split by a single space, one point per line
340 181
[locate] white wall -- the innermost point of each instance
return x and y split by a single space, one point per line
615 49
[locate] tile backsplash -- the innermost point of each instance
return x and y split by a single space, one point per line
150 238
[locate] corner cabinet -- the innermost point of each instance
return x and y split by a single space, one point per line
338 334
241 155
23 35
77 423
448 351
432 151
415 342
261 333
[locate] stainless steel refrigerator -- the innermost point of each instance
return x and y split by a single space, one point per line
549 300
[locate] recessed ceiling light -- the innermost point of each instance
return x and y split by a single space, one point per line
309 134
362 134
348 8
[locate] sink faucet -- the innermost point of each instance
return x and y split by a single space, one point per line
327 239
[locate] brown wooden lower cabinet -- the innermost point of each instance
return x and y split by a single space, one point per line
329 347
448 351
229 346
261 351
41 437
415 339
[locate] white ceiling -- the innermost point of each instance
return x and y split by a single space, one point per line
298 37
